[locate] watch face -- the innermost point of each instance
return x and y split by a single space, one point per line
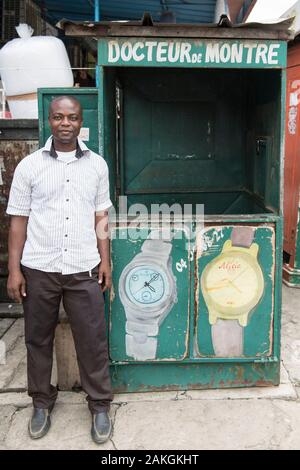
233 281
146 285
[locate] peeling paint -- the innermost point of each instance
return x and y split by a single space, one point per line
11 153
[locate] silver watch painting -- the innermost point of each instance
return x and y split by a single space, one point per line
147 290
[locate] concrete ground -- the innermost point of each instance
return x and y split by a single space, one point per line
253 418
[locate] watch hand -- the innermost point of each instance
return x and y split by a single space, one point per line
221 286
150 287
240 273
154 278
145 285
233 285
218 287
221 283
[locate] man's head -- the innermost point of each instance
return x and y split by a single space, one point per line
65 120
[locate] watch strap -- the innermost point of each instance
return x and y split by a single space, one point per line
142 328
141 348
242 236
156 244
141 339
227 338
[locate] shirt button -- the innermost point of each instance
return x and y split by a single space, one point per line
67 218
66 249
66 235
67 200
68 181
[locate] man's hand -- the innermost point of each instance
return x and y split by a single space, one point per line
104 276
16 286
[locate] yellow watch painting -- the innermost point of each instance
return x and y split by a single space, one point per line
232 284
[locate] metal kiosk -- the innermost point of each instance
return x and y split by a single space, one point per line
193 115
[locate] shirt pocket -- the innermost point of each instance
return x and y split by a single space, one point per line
87 189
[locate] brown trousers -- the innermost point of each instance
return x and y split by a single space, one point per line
84 304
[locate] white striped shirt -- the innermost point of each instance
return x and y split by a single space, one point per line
60 198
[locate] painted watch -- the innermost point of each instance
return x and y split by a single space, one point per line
232 285
147 290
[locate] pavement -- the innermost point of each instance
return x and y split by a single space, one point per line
246 418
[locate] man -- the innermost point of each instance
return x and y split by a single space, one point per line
59 195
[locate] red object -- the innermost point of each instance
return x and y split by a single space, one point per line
292 153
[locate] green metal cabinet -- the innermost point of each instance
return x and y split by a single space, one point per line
193 119
198 120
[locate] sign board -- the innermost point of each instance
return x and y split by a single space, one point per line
192 53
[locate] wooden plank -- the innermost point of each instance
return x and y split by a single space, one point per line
11 310
180 31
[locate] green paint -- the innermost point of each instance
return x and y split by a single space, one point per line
178 376
192 53
88 97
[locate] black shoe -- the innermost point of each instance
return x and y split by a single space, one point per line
39 423
101 427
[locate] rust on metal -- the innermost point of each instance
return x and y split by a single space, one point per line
11 153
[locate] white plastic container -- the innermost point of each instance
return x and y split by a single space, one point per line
23 109
29 63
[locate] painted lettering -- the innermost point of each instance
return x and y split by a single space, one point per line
212 53
225 53
126 51
185 52
113 51
196 58
229 266
261 54
194 52
250 48
294 96
237 53
150 46
138 57
173 55
273 54
161 52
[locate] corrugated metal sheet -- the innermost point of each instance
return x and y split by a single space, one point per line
186 11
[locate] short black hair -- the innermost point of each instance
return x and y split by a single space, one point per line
64 97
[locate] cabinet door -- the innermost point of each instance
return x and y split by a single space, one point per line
235 292
149 303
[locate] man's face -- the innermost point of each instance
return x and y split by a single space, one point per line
65 120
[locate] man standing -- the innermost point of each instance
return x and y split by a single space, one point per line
59 195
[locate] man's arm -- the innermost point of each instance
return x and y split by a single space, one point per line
16 240
101 221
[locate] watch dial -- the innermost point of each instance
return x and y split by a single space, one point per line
232 281
146 285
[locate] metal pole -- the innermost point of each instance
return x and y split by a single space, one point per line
97 18
97 10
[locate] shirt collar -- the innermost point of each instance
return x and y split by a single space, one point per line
81 149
